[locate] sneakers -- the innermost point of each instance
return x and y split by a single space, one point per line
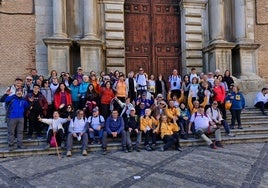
219 144
232 127
148 148
125 149
231 135
84 152
240 127
212 145
69 154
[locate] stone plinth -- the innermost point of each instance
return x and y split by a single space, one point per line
58 54
92 57
219 56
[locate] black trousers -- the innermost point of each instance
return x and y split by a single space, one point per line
59 136
170 140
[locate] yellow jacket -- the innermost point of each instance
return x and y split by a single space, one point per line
191 106
168 128
172 112
148 121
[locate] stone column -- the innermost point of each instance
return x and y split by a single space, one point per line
59 19
216 20
90 20
240 20
91 46
78 19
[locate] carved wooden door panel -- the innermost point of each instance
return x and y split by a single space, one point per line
152 34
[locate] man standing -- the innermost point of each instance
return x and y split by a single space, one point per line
16 106
141 79
175 83
114 127
38 107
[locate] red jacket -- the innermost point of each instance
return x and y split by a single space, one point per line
220 94
57 99
106 95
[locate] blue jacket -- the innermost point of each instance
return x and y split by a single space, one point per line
17 106
74 92
114 126
83 88
237 100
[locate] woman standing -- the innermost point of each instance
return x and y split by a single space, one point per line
238 104
62 97
107 95
161 87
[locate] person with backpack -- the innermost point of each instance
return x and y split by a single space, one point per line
215 114
95 126
77 129
204 125
16 106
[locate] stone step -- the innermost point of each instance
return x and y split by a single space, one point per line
39 150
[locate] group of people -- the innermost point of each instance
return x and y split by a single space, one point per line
92 108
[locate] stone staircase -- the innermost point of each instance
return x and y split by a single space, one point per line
254 124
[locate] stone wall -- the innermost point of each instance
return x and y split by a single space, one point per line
261 36
17 39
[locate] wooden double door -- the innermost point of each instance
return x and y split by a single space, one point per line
152 35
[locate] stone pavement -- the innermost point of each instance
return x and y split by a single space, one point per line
238 165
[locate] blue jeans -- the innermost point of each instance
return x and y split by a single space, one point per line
96 132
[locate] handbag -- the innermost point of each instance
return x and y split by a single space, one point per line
53 141
228 105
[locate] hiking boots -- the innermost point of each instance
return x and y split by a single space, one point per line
69 154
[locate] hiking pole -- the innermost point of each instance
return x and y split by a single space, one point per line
57 148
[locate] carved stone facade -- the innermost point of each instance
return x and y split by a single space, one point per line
215 34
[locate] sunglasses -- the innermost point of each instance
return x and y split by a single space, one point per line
29 79
214 103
